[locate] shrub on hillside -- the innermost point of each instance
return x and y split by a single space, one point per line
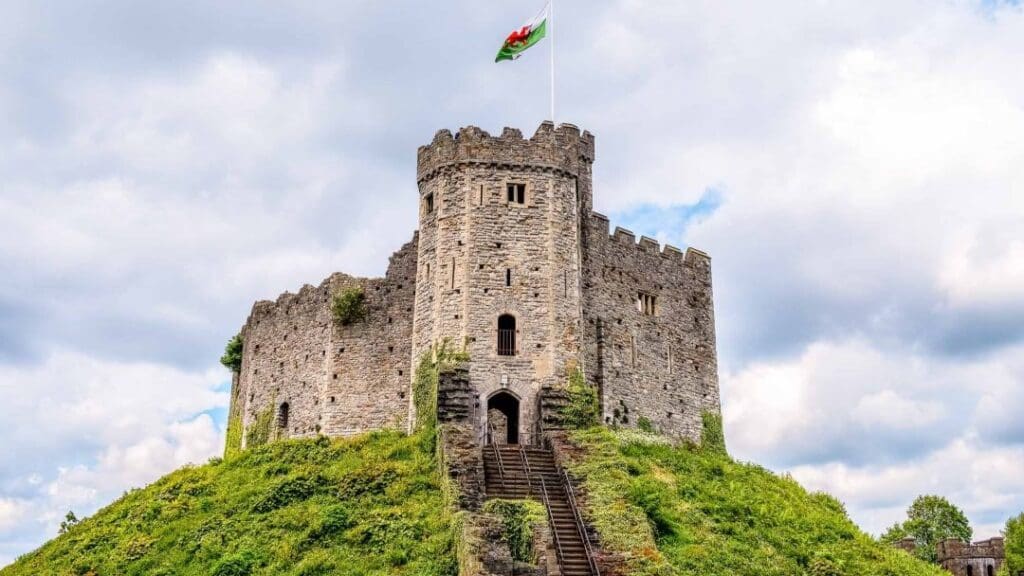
682 509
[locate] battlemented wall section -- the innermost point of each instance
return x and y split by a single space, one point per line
331 379
649 331
506 231
982 558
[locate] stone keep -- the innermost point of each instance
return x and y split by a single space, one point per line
511 263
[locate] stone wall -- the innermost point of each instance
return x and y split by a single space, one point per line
482 256
336 380
982 558
653 360
548 261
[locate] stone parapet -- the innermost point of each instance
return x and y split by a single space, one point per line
561 149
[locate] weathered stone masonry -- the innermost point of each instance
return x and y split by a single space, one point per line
506 231
983 558
335 380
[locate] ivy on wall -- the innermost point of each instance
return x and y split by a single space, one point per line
440 359
583 409
713 438
233 441
261 431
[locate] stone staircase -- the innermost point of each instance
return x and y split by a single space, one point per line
505 473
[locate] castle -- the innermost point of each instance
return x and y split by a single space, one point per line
510 261
983 558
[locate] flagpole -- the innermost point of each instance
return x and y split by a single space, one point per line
551 18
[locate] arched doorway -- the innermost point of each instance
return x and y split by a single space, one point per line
503 418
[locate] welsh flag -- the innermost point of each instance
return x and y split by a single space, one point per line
519 40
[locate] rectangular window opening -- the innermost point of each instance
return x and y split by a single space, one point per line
646 304
508 277
516 193
429 203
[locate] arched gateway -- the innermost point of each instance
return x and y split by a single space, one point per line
503 418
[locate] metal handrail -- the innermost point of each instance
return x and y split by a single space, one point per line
497 455
526 468
551 522
580 526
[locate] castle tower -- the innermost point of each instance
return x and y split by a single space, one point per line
499 262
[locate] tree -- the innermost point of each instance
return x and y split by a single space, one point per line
930 519
69 521
1014 535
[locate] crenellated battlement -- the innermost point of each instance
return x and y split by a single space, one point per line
600 224
562 149
967 559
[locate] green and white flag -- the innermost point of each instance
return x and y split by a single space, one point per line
525 37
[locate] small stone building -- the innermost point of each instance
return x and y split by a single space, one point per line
511 262
982 558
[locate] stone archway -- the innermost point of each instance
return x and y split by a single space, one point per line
503 418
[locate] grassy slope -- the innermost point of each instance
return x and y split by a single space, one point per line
686 511
367 506
374 506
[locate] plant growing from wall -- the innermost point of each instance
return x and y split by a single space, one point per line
518 519
348 306
582 410
232 358
645 425
713 436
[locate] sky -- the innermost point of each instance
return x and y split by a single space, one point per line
855 170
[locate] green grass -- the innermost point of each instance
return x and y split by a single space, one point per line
367 506
682 510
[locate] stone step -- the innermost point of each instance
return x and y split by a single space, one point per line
506 476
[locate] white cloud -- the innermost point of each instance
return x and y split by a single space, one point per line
81 431
879 427
12 513
118 467
983 480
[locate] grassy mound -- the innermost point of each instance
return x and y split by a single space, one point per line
682 510
367 506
